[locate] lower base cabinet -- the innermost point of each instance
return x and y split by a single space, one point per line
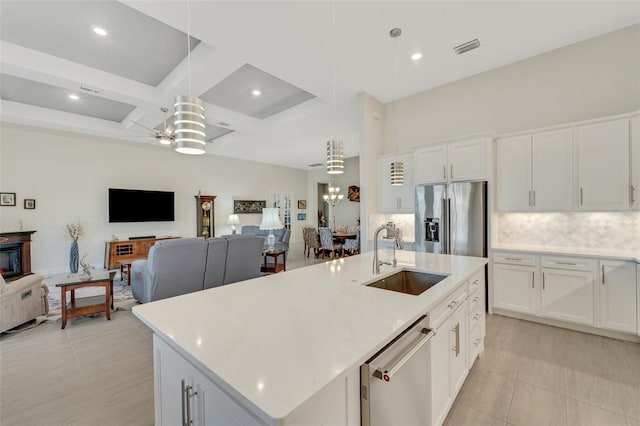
567 295
617 287
514 288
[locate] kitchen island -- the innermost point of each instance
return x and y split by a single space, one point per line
286 348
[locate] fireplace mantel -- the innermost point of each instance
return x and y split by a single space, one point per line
23 239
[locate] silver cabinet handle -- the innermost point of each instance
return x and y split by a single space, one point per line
182 393
516 259
534 197
543 281
565 263
444 172
476 316
386 375
457 330
631 191
533 280
451 170
581 197
602 274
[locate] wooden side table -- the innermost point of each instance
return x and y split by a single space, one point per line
127 263
275 268
86 305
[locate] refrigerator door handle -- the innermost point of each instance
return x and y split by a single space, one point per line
444 227
448 225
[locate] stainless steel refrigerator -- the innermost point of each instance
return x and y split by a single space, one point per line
452 219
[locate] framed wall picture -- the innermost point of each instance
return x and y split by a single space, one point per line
248 206
29 204
302 204
302 216
7 198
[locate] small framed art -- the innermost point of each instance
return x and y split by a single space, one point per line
7 198
29 204
302 204
302 216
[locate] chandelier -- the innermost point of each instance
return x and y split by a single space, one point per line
334 196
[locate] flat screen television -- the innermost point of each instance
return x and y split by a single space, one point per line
133 205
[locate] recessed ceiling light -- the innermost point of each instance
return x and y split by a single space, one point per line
416 56
100 31
256 92
74 97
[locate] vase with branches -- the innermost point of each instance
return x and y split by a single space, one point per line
75 231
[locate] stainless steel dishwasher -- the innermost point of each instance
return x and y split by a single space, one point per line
395 382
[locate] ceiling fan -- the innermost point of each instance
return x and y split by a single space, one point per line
164 136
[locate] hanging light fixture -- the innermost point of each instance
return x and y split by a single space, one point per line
335 151
334 196
189 112
397 167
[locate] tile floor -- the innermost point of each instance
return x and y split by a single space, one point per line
101 372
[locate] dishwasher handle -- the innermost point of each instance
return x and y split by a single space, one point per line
386 375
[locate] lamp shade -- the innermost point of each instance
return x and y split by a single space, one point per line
189 125
271 219
234 219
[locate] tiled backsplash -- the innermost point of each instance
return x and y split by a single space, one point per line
404 222
613 230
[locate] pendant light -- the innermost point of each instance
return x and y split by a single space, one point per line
189 112
335 151
397 167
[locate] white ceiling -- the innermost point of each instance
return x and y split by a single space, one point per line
293 42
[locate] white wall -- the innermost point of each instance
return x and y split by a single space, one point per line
347 211
590 79
69 174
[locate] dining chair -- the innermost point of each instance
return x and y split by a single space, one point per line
313 242
352 246
326 240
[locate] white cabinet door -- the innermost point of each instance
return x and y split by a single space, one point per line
169 371
513 173
618 308
431 165
458 340
567 296
467 160
635 163
514 288
603 166
552 170
439 369
396 199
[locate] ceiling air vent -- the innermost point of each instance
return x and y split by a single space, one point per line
465 47
315 164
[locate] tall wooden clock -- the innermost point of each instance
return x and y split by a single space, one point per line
205 215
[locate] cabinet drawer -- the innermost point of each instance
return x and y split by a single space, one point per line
475 344
475 316
514 258
564 262
475 300
445 308
476 282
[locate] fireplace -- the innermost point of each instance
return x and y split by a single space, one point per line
15 254
10 260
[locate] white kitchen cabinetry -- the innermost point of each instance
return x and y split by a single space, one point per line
567 295
618 299
401 198
635 163
183 395
452 162
514 288
535 172
449 353
603 166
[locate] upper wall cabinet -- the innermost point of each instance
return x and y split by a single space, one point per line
603 166
635 163
452 162
396 199
535 172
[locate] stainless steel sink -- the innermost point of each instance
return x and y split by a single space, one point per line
408 282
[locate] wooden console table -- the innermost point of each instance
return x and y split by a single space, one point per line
116 251
20 242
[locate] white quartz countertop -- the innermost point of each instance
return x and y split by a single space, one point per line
275 341
632 255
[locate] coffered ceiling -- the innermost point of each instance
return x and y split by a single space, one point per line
288 51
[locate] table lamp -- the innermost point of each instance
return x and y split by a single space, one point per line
233 220
271 221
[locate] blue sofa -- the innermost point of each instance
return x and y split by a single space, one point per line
184 265
282 236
